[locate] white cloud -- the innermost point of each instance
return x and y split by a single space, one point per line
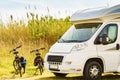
29 2
58 8
113 2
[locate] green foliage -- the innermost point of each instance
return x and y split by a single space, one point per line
38 32
47 28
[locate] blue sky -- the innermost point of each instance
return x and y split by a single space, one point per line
57 8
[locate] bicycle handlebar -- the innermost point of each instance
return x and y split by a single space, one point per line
15 48
18 46
37 50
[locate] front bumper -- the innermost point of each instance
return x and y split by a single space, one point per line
62 67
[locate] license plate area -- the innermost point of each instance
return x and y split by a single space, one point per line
53 66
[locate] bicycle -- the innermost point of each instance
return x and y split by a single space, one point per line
38 60
17 64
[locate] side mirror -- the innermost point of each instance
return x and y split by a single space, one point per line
104 39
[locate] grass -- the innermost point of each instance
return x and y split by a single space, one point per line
37 33
49 76
108 77
6 60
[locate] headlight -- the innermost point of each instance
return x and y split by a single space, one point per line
79 47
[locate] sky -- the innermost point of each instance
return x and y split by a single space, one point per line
56 8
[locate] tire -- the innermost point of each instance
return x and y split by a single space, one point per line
59 74
20 69
40 67
15 66
92 71
41 70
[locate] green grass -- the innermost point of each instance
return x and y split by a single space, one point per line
37 33
49 76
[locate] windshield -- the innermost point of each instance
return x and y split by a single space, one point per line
80 32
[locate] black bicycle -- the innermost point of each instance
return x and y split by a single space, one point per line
38 61
17 64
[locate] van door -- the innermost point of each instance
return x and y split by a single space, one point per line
108 51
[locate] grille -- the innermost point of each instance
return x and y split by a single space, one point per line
54 58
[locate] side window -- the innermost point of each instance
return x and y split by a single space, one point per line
111 31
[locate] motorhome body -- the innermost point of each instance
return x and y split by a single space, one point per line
90 47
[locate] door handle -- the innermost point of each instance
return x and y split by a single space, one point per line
117 46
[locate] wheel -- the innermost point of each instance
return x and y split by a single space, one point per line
20 72
20 69
92 71
40 67
41 70
15 66
59 74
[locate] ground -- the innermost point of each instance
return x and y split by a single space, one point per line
49 76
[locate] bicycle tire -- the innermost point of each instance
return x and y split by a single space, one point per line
17 67
20 69
40 67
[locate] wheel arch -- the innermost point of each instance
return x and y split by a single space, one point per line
99 60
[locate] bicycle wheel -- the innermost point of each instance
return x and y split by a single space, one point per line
20 69
40 67
15 66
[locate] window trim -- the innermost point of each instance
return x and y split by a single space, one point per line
107 25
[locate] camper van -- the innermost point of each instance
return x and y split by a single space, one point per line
91 46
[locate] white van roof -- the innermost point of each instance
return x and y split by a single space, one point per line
100 15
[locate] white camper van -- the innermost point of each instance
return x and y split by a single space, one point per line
90 47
